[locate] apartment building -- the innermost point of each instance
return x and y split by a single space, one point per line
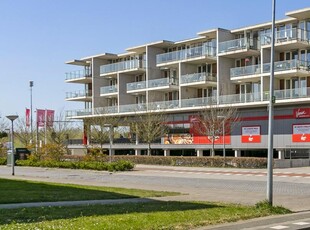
227 67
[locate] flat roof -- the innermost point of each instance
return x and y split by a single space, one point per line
299 14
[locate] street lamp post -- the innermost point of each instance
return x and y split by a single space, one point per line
31 130
12 118
270 115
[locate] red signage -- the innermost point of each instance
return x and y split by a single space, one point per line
251 134
302 113
301 133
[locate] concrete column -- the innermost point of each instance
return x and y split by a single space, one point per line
237 153
199 152
137 152
166 152
280 154
112 152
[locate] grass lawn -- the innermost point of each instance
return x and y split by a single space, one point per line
22 191
144 216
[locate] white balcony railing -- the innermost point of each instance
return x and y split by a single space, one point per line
122 66
285 35
108 89
136 85
78 94
78 74
237 44
286 94
197 77
185 54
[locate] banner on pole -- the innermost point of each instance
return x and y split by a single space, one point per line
40 117
27 117
50 117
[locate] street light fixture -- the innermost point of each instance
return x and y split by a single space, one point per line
12 118
223 117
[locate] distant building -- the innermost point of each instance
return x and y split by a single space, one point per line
227 67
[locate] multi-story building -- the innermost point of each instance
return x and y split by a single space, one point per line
227 67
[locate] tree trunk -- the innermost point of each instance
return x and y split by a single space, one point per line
149 150
212 151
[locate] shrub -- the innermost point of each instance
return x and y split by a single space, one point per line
2 160
94 165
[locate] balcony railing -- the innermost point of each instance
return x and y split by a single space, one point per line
285 35
136 85
77 94
296 93
237 44
122 66
161 82
108 89
197 77
78 74
245 71
185 54
286 65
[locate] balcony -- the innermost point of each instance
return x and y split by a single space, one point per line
81 95
131 65
244 72
283 68
136 86
238 48
200 52
287 39
249 99
163 84
79 76
108 90
198 79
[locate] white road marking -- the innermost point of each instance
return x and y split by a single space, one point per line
279 227
301 223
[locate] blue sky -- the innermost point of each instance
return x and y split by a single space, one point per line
38 36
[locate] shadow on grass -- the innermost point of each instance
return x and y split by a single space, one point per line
20 191
32 215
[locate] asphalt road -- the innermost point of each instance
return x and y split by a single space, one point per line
291 187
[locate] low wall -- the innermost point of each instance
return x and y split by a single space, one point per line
291 163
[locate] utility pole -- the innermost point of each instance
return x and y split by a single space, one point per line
270 120
31 128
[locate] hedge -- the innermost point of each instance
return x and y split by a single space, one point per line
233 162
120 165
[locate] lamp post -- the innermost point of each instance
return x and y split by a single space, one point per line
31 130
270 115
12 118
223 134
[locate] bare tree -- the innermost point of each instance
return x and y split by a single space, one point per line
149 126
101 128
213 120
23 132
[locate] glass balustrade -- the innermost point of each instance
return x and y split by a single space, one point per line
179 55
197 77
122 66
237 44
78 74
286 65
158 82
80 93
108 89
302 92
245 71
285 35
136 85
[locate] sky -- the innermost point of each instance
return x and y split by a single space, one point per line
38 36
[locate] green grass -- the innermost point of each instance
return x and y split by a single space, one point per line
22 191
152 215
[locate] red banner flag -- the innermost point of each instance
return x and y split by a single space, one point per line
50 117
40 117
27 117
